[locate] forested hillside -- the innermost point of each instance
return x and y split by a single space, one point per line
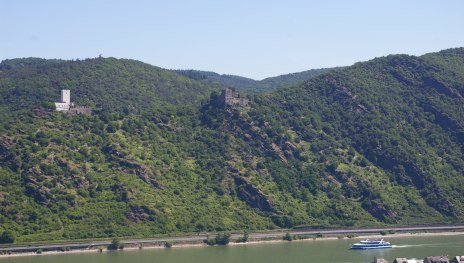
380 142
250 85
224 80
109 84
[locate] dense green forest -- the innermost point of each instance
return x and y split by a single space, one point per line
251 85
380 142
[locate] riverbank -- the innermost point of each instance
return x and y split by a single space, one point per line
400 235
197 241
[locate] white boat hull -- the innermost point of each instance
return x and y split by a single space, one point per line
366 247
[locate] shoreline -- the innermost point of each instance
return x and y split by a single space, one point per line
138 246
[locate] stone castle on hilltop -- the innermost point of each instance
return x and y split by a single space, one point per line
67 106
231 97
65 102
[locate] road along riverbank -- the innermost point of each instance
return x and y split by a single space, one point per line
253 238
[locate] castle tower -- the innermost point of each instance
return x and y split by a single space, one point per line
65 102
66 96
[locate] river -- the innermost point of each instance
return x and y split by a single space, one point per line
335 251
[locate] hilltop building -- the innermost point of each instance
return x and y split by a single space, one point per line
231 97
65 102
67 106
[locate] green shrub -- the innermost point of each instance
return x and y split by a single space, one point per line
64 249
115 244
220 239
209 241
288 237
7 237
243 239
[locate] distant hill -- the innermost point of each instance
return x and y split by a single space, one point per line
224 80
377 143
246 84
122 85
288 80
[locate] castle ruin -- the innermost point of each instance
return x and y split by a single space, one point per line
231 97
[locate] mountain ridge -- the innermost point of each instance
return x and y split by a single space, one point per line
268 84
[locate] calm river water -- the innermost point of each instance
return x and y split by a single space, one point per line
335 251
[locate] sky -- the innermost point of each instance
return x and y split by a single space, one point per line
254 38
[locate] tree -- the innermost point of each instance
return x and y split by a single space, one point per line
7 237
167 244
243 239
288 237
223 239
115 244
220 239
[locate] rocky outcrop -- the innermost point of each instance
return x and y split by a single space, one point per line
130 166
6 143
445 121
141 171
441 87
138 214
379 211
253 196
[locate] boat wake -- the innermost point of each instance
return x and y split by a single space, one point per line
404 246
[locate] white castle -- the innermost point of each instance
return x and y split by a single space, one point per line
65 102
68 107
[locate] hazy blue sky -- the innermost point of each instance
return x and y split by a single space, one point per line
250 38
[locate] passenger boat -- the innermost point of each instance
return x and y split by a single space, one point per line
371 244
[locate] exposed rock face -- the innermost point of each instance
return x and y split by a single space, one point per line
51 180
33 188
132 167
5 145
138 214
253 196
379 211
445 121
